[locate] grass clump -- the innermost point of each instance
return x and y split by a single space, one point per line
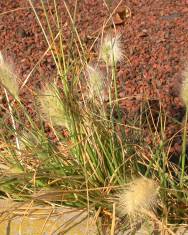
92 163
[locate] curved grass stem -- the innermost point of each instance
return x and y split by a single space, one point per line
183 154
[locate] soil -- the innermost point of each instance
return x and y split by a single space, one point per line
154 39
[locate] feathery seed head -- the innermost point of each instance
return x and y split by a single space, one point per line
52 106
184 88
8 78
95 82
111 49
138 198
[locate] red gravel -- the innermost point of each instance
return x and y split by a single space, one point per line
155 40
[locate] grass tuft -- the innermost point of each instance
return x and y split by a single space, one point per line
89 155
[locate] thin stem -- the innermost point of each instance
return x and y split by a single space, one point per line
13 121
183 155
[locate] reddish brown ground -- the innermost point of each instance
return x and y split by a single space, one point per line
154 36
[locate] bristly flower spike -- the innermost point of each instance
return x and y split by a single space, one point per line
138 198
52 107
111 49
95 82
8 78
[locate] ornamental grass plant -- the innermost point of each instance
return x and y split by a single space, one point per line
94 162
